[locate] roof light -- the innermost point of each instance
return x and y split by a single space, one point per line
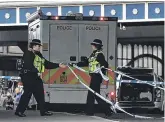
78 16
56 18
101 18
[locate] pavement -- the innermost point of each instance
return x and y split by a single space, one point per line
34 116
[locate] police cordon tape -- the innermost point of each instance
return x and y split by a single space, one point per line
10 77
113 106
96 71
136 80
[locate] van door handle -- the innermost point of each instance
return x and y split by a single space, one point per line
111 57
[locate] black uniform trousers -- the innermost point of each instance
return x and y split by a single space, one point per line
32 85
95 84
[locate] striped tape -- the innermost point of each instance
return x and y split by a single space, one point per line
10 77
113 106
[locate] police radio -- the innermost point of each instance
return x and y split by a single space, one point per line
19 64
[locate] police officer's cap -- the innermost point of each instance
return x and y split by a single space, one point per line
36 41
97 42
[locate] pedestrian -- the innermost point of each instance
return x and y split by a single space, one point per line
34 64
95 61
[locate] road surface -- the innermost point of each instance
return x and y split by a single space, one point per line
33 116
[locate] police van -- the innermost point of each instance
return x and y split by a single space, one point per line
139 88
67 39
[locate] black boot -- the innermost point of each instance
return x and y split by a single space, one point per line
47 113
20 114
108 113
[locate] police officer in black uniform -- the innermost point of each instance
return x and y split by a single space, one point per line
34 65
96 60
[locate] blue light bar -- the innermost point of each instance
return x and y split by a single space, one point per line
83 18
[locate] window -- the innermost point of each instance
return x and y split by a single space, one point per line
14 49
124 54
1 49
8 63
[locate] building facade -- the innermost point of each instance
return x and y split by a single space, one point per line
141 45
129 11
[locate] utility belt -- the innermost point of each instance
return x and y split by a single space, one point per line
24 71
27 71
97 73
94 74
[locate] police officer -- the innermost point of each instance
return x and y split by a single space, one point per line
34 65
95 60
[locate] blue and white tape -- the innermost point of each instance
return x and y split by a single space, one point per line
10 77
142 82
96 71
151 83
114 106
154 83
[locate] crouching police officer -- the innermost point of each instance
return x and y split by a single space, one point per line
95 61
34 65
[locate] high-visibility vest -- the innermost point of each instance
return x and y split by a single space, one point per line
93 63
39 63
